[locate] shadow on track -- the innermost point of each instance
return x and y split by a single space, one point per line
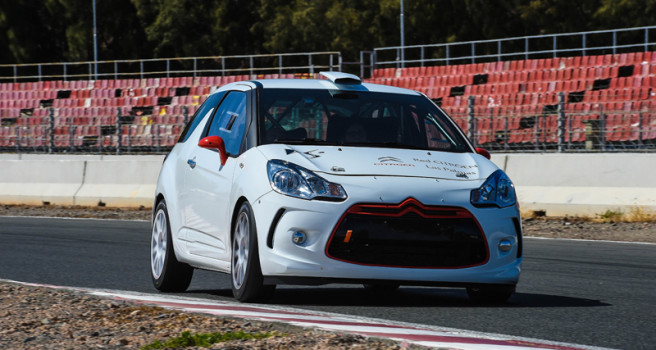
403 297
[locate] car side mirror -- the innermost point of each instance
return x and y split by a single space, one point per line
483 152
215 142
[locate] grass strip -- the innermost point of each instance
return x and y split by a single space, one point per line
186 339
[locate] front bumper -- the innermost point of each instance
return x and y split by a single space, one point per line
279 216
409 234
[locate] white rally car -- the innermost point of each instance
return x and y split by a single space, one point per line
332 180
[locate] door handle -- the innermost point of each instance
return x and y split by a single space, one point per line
192 163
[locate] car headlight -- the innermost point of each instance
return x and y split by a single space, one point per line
497 190
293 180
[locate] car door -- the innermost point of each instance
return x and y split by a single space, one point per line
209 184
188 142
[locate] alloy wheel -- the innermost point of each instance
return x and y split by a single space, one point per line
240 250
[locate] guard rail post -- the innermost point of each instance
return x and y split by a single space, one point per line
310 64
157 136
18 129
119 131
602 129
51 133
100 140
492 138
471 121
640 132
71 137
506 134
569 133
361 63
538 131
129 140
561 121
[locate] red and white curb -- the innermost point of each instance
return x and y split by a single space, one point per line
430 336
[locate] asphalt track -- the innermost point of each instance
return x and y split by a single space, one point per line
593 293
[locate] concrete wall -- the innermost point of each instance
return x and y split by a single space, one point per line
121 181
561 184
582 184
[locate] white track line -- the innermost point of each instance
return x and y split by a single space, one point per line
585 240
426 335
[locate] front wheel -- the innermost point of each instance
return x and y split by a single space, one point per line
168 274
491 294
247 281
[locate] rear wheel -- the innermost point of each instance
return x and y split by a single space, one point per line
247 281
168 274
491 294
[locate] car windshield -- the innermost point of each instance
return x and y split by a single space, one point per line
356 118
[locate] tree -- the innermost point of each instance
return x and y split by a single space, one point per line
558 16
326 25
61 30
185 28
29 34
614 13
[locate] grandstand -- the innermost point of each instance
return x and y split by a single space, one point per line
144 115
607 100
604 102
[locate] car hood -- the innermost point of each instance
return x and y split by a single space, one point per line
340 160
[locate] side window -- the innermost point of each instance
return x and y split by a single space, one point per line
230 120
439 135
200 114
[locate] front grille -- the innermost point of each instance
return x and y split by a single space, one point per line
408 234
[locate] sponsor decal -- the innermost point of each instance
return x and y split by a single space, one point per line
460 170
391 161
463 171
314 153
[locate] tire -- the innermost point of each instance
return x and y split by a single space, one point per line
490 295
167 273
245 271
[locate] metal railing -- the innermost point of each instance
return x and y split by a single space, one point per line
559 127
57 132
306 62
525 47
563 127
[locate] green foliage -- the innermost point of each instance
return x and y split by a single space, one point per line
186 339
612 215
634 214
62 30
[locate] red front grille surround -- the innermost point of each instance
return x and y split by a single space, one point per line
414 212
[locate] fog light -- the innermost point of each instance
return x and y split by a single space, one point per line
298 237
505 245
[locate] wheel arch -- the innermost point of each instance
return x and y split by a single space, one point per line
158 198
235 211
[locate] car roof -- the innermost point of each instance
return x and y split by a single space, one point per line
319 84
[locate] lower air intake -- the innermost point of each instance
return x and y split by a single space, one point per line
408 234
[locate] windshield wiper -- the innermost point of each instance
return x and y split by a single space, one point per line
304 141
